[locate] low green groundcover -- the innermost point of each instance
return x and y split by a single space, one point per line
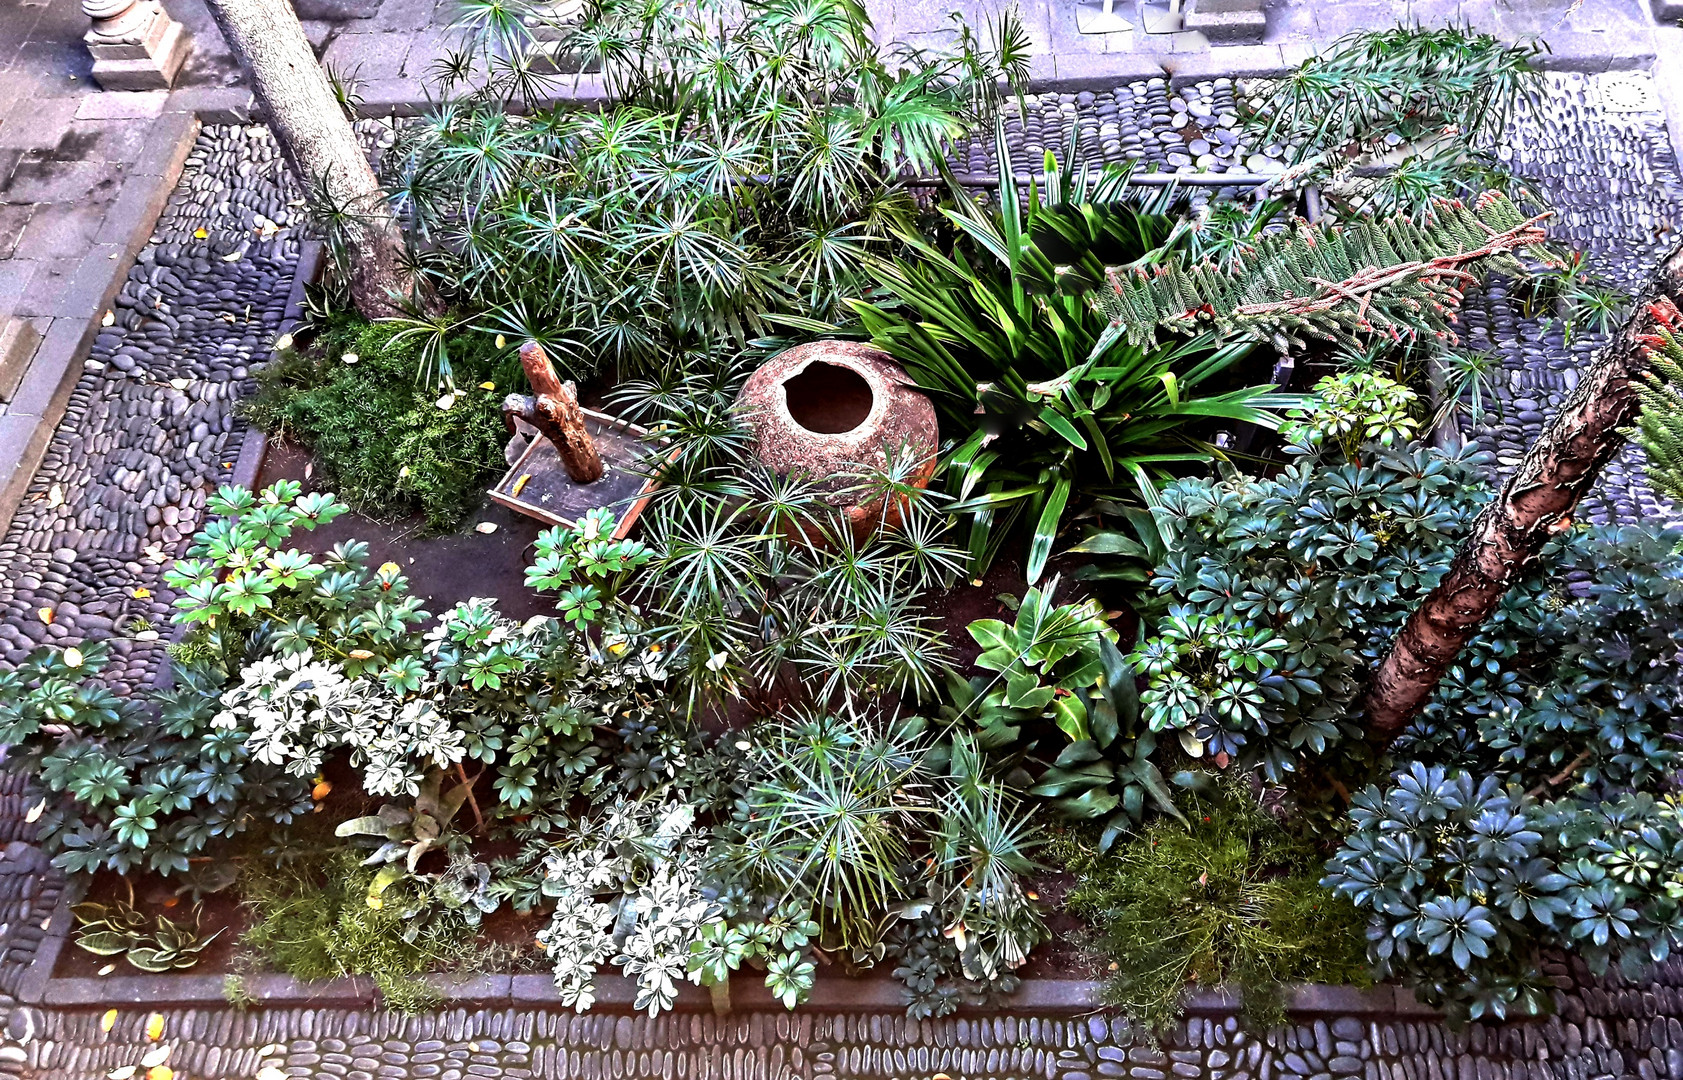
389 446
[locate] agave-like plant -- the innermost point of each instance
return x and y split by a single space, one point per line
1050 406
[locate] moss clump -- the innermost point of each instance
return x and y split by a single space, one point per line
1230 897
379 438
315 923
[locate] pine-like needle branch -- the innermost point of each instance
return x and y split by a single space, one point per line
1659 427
1390 276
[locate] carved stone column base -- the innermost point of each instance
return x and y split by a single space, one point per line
135 44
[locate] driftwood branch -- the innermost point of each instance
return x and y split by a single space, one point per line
554 410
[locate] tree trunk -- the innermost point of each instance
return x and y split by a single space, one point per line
1537 502
319 142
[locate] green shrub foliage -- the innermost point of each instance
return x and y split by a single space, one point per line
744 168
1051 405
388 445
312 919
130 783
1281 591
1228 897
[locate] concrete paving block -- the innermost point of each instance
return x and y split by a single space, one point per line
40 177
112 141
167 144
47 382
123 105
38 126
45 285
15 276
14 218
1235 61
1229 27
18 341
368 57
129 220
61 230
18 457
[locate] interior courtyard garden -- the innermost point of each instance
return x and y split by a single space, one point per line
756 539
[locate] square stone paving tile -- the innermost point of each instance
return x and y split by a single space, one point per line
36 124
44 293
370 57
40 177
112 141
14 217
60 231
122 105
15 276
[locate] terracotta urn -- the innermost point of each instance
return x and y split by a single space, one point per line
833 410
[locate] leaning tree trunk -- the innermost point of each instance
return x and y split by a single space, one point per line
1537 502
319 142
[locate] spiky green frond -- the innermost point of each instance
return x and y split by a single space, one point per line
1659 427
1392 277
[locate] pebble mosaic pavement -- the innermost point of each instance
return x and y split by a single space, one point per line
151 430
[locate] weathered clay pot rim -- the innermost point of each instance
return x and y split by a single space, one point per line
858 435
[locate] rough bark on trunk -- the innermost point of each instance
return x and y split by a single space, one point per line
1537 502
319 142
553 409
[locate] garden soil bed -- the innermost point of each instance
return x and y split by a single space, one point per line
446 569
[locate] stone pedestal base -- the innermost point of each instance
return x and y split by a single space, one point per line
138 47
1229 22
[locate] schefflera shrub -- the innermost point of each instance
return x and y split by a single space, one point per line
1540 809
127 783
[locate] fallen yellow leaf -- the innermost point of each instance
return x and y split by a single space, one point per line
46 614
360 654
486 527
501 341
446 402
487 386
283 343
55 497
107 969
156 1056
108 318
525 478
389 568
35 812
109 1020
73 657
121 1072
322 790
142 593
155 1026
160 1072
269 1072
200 234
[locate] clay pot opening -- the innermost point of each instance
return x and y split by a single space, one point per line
828 399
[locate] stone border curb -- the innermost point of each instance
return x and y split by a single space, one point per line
1050 74
32 988
45 390
617 994
255 445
